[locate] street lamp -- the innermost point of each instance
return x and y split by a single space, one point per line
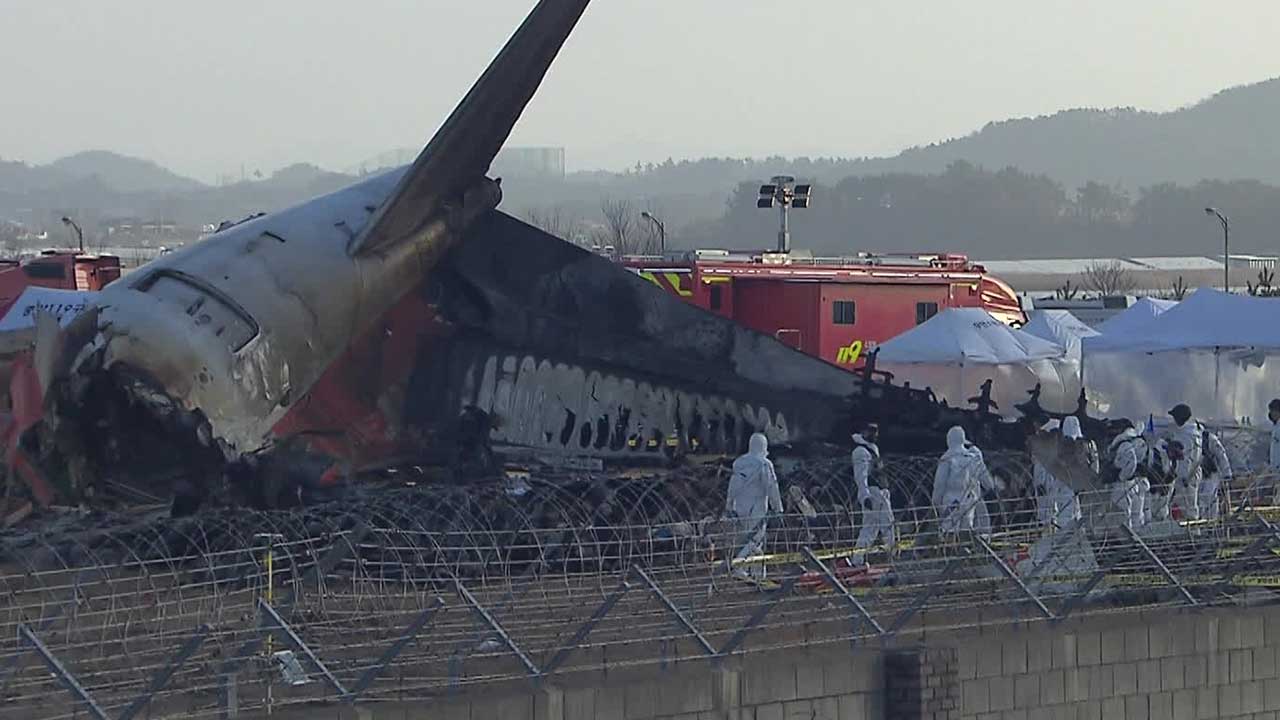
79 233
662 230
1226 247
782 191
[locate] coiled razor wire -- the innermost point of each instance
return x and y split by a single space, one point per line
113 597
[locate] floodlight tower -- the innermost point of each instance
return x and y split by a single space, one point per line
79 233
1226 247
782 191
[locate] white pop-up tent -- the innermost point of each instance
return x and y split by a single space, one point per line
1217 352
957 350
1061 328
1136 317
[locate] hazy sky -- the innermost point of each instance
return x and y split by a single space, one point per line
205 87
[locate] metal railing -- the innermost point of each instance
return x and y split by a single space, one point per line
416 593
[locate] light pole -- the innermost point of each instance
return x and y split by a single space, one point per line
662 231
782 191
1226 247
79 233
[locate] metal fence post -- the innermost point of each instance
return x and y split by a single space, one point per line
230 696
63 674
671 607
166 673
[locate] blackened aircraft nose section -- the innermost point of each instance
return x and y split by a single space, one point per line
236 329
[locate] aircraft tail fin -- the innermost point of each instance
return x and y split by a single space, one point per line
460 152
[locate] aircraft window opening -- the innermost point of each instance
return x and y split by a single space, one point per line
208 308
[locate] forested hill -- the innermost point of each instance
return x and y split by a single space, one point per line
1233 134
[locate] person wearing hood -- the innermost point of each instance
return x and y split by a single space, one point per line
958 485
1160 468
1064 498
1042 483
1188 473
1129 492
1215 469
753 495
1273 458
877 509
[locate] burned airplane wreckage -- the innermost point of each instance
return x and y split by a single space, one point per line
406 320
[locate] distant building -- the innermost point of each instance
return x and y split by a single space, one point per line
1145 276
529 163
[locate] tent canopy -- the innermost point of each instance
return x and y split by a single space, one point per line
1206 320
63 304
1061 328
963 336
1133 320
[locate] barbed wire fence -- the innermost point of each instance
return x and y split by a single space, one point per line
410 594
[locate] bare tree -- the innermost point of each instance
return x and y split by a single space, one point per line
549 220
1108 278
1067 291
1178 290
1264 287
620 225
650 240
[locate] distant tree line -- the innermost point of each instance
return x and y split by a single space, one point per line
1008 213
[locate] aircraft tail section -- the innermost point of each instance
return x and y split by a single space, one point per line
459 154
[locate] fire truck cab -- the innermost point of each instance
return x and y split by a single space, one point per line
836 308
64 270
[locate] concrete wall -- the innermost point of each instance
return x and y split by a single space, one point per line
1210 664
1170 664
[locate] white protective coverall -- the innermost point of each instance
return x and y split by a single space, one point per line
1064 499
1129 493
1188 472
1273 462
753 494
1274 457
1043 484
877 509
958 484
1208 500
1158 460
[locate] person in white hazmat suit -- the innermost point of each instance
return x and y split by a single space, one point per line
1216 468
753 495
1042 484
958 484
877 509
1273 458
1188 472
1160 464
1064 499
1131 487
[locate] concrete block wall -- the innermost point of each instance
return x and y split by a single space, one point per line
922 684
829 683
1173 664
1159 665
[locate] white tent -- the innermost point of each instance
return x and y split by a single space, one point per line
957 350
1217 352
63 304
1136 317
1061 328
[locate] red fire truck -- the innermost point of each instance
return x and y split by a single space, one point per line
61 269
835 308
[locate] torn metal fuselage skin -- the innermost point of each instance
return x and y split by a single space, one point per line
262 334
204 351
218 341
